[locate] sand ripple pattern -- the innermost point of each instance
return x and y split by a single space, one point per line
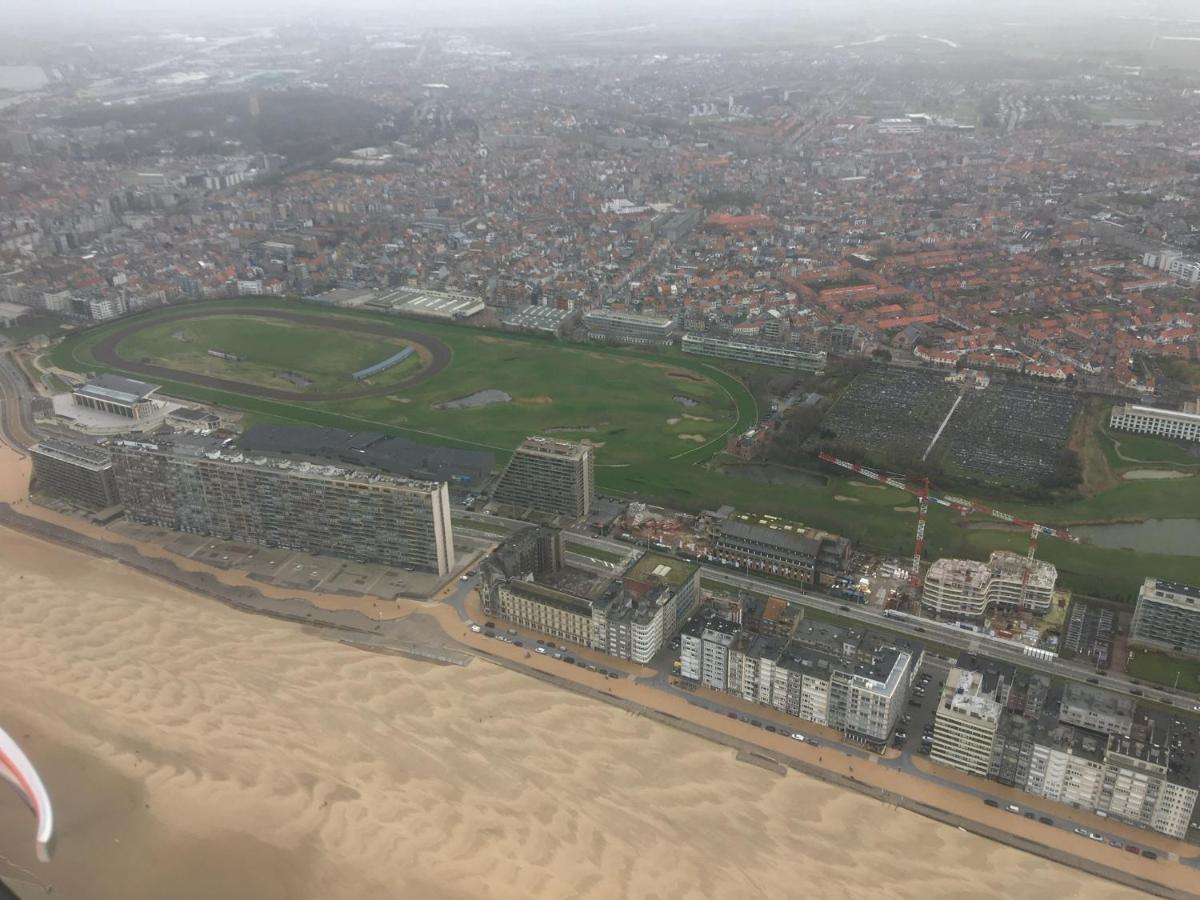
248 758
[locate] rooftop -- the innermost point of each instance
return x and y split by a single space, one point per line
221 450
117 389
84 455
653 567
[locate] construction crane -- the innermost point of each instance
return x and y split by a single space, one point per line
959 504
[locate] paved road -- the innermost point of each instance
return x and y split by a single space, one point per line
16 422
106 352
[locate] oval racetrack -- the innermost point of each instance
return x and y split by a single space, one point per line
105 351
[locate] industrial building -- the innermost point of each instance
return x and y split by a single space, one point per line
1167 423
775 547
965 588
426 304
1063 744
546 320
79 473
1167 617
628 328
202 485
553 477
851 680
760 354
628 617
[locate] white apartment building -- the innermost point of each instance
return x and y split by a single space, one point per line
1183 425
966 720
964 588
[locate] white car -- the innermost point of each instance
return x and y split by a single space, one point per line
798 737
541 649
476 629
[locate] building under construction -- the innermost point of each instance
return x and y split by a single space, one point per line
964 588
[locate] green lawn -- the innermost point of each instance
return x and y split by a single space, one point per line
1163 669
30 326
622 400
641 409
1138 448
268 347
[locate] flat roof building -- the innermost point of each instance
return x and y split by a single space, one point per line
966 720
79 473
1166 423
550 476
628 328
628 617
775 547
757 353
1144 776
1167 617
852 680
201 485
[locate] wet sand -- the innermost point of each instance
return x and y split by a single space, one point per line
195 751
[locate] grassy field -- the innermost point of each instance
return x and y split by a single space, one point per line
268 347
1160 668
622 399
640 409
29 326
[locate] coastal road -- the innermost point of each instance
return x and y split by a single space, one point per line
16 421
918 628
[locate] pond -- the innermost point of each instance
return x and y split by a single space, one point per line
1174 537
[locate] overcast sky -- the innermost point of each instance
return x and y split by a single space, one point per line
149 14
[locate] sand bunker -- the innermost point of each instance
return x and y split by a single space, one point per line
539 400
906 508
674 420
1153 474
698 438
843 499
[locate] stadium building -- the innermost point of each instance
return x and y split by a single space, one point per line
628 328
197 484
116 396
761 354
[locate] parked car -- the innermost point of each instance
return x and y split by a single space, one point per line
990 802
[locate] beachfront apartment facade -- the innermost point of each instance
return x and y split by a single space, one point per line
195 484
1166 423
553 477
628 328
1167 617
965 723
987 725
78 473
854 681
757 353
628 617
965 588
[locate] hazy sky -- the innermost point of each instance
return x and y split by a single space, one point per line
870 14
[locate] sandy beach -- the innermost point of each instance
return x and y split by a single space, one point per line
195 751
